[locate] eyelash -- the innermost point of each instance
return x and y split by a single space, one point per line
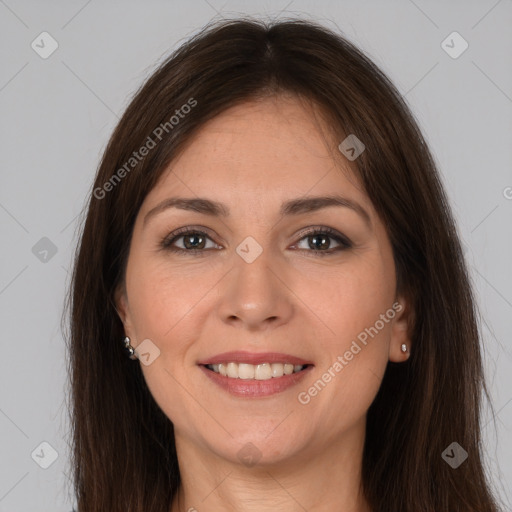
167 242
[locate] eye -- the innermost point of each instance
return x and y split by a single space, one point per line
193 241
196 241
318 239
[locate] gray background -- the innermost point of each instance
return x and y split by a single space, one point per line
58 113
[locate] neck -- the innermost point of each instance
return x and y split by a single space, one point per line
316 480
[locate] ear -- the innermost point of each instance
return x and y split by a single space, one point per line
400 331
123 310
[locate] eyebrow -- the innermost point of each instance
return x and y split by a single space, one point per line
291 207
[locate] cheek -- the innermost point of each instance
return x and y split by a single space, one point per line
356 345
165 307
162 298
349 299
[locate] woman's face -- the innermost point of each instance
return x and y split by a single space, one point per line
256 280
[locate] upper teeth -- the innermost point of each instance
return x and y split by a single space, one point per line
262 371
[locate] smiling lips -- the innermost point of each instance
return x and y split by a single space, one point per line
255 374
263 371
240 356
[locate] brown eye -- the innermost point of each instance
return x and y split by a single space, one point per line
319 241
194 241
187 240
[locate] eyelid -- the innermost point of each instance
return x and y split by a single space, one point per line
343 241
317 229
185 230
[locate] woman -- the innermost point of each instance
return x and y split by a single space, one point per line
268 240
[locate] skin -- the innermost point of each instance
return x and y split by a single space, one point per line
252 158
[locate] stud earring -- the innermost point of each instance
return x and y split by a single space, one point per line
130 351
404 347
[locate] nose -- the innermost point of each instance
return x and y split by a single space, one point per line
256 295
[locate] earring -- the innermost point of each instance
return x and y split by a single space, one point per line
404 347
130 351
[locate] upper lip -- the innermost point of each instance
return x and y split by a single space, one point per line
240 356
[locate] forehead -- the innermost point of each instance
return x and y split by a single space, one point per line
274 149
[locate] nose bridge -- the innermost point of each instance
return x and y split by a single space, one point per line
255 295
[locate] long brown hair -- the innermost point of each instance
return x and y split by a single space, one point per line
123 451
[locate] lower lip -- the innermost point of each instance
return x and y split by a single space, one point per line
252 388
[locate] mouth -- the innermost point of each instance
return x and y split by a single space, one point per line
253 375
263 371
